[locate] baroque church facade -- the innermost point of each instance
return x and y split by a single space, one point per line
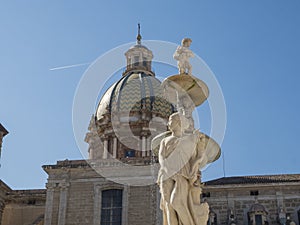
117 184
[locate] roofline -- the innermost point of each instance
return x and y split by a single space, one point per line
3 184
272 181
80 163
250 185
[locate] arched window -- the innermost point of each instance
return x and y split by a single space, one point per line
231 217
257 215
111 207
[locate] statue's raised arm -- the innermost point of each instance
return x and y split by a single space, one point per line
182 55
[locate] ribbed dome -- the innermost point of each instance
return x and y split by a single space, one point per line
135 92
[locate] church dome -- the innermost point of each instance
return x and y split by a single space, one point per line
131 112
134 93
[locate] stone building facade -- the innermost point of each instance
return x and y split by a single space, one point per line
24 206
254 199
117 184
74 192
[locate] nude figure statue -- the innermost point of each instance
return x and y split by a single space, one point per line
182 55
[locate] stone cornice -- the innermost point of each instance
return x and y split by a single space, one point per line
25 195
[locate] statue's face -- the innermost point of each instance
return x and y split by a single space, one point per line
174 123
185 123
187 44
177 123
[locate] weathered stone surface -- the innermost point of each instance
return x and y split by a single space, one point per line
273 195
23 207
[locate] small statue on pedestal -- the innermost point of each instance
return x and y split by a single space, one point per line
182 55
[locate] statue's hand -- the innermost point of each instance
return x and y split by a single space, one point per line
193 180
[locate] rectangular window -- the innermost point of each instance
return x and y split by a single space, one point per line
130 153
254 193
205 195
111 207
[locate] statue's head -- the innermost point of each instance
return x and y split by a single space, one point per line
174 121
177 122
186 42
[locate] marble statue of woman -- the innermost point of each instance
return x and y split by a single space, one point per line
182 55
180 157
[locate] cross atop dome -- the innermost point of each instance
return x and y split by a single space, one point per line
139 36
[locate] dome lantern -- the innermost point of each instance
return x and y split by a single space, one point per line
139 57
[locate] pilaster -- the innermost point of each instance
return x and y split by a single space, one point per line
105 150
115 147
63 203
49 203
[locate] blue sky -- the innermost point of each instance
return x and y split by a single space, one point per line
251 46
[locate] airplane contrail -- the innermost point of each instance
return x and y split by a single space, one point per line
69 66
